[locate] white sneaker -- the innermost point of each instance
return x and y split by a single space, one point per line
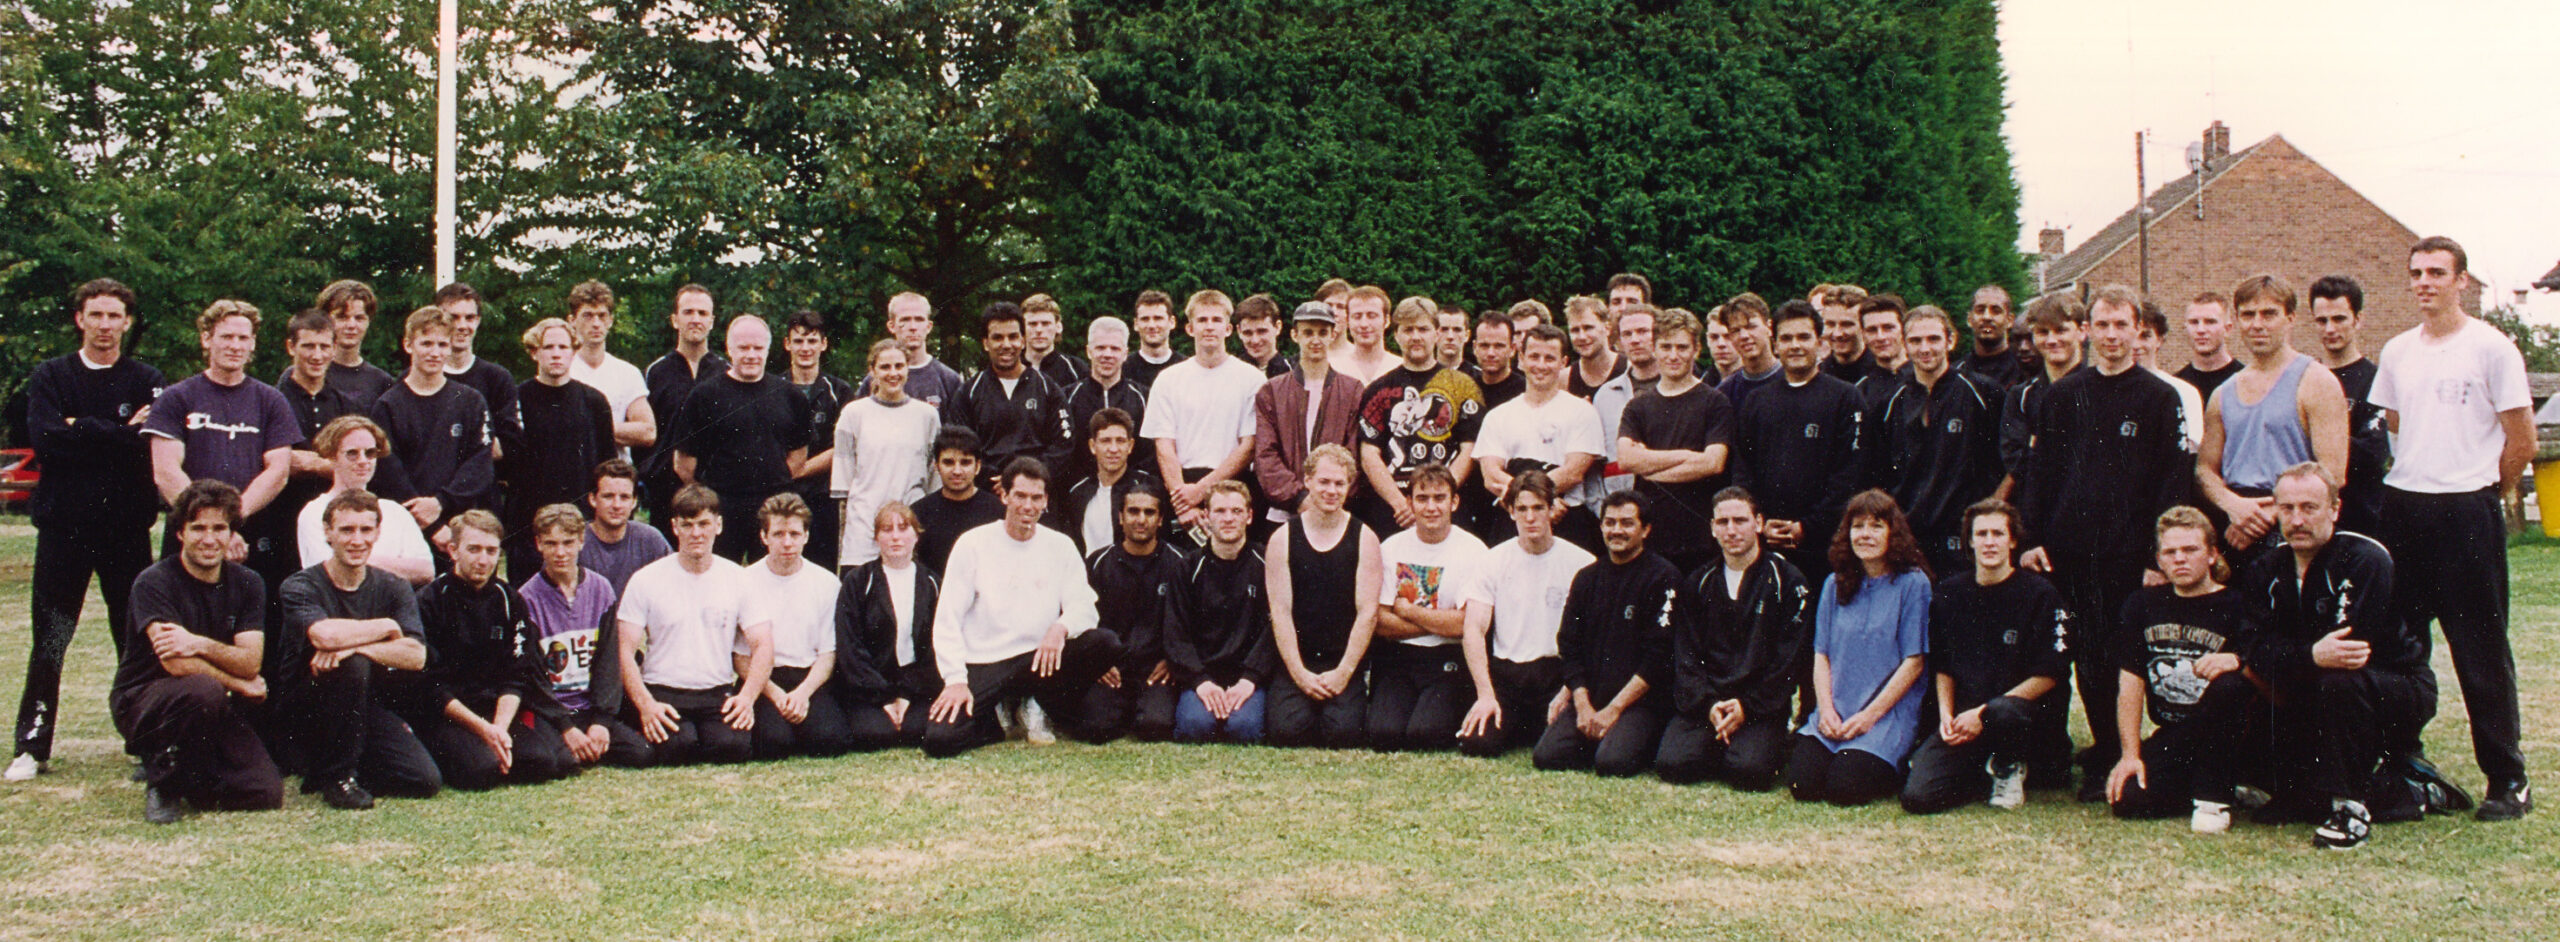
23 768
2008 785
1035 724
2210 817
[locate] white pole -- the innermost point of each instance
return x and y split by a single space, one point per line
445 50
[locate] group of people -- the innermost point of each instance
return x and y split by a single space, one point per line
1804 544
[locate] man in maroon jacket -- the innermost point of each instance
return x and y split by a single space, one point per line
1282 434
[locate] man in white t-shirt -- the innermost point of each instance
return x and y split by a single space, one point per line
795 714
635 425
709 640
2453 390
1200 411
1545 430
1016 618
354 444
1516 670
1418 684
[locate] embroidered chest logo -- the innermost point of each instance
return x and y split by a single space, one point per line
2129 429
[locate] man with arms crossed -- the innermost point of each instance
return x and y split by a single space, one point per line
190 657
1418 686
93 506
710 644
348 657
1676 439
2455 394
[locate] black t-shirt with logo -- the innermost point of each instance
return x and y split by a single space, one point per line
2161 637
1992 638
1420 416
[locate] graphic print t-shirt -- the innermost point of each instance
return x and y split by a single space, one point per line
2161 638
1420 416
1431 575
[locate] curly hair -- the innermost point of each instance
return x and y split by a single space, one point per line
1901 551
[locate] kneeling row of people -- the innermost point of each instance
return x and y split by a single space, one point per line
1619 665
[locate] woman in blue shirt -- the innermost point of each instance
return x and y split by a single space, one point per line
1870 637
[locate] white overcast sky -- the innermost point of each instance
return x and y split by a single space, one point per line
2447 115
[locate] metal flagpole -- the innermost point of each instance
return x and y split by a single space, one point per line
445 51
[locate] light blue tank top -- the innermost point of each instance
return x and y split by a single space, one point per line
2260 440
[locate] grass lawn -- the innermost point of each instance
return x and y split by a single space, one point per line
1143 841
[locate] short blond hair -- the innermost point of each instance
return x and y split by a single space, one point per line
533 335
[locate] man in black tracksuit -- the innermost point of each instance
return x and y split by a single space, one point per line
2060 327
1131 581
1616 644
1217 629
1997 648
1798 444
1738 657
1014 409
2348 674
1934 442
2110 454
483 673
94 504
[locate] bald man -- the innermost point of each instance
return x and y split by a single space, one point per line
743 434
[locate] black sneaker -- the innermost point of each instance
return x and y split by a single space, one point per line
346 794
2506 802
2347 829
2439 794
159 808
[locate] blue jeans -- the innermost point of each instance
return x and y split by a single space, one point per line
1192 721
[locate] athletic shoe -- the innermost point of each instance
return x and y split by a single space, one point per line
2438 793
1035 724
2008 785
23 768
2348 828
346 795
2250 797
159 808
2210 817
2507 802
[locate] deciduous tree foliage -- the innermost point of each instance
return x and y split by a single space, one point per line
1491 150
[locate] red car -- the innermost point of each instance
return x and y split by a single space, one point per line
17 477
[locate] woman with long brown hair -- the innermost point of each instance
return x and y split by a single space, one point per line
1870 637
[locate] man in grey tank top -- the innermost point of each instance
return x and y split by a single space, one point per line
2275 413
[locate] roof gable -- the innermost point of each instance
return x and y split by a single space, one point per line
2163 201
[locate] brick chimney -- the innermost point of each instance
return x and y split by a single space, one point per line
2049 242
2217 142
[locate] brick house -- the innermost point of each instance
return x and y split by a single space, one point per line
2268 207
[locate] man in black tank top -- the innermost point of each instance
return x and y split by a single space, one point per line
1323 580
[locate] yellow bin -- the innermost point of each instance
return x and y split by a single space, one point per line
2546 493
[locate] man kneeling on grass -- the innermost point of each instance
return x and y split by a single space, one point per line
1217 629
694 697
1996 645
572 611
349 654
797 713
2178 659
1616 643
1016 618
194 644
481 668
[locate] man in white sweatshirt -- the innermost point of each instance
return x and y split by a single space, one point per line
1016 617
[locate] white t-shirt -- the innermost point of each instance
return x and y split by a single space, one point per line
1000 595
2189 400
1437 576
902 603
803 606
399 537
1563 426
2448 393
1206 412
1099 531
1527 593
690 621
619 381
883 453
